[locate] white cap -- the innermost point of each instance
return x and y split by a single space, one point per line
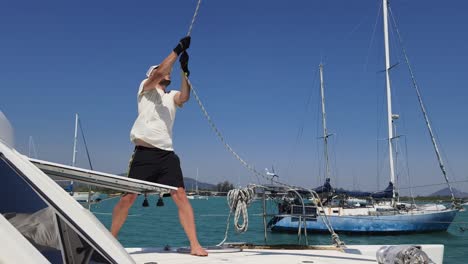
151 69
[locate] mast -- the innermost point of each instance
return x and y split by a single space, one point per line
75 140
196 183
32 148
389 95
29 146
324 125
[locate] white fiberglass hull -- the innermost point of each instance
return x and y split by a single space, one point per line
353 254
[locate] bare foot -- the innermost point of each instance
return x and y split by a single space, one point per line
198 251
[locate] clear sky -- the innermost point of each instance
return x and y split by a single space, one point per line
254 64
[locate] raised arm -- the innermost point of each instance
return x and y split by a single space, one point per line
161 72
183 96
165 68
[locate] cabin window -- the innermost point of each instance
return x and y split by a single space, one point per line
28 212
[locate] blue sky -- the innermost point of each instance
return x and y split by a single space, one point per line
254 64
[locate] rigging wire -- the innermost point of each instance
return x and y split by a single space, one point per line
89 161
372 37
301 128
423 109
444 155
334 160
434 184
86 145
408 172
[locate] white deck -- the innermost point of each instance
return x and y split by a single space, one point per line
321 255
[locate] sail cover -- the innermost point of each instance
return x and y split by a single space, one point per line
326 188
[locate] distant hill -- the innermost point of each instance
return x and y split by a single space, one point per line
446 192
190 184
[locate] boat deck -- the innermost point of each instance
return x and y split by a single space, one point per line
260 254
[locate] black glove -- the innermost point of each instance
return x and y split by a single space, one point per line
183 45
184 58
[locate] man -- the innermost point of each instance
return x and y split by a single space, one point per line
154 159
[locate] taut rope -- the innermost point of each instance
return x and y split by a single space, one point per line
239 199
193 18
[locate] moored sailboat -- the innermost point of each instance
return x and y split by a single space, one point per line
382 212
196 195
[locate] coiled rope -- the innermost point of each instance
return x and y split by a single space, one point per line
238 201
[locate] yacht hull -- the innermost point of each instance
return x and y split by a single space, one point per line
394 223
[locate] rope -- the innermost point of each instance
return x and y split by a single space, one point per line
250 168
210 121
238 201
226 145
216 130
244 196
193 18
335 238
213 126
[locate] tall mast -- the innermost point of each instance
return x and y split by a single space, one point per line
389 94
75 140
324 125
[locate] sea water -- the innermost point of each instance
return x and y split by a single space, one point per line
159 226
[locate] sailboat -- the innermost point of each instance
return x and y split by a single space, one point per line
82 197
350 215
196 195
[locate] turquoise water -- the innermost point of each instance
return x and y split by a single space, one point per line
159 226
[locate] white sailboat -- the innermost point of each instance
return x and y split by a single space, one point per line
196 195
82 197
383 217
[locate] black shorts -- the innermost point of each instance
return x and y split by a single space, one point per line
156 165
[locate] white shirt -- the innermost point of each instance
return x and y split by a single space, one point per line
156 115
